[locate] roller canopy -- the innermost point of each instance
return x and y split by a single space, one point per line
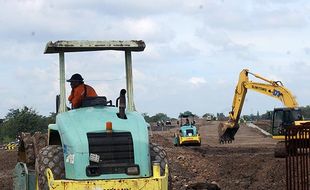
78 46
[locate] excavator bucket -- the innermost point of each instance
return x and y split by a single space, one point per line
227 132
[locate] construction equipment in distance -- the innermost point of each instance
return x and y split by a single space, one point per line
11 146
209 118
188 133
98 146
282 117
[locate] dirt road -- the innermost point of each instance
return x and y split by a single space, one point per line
247 163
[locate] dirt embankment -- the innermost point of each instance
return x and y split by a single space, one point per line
264 124
7 163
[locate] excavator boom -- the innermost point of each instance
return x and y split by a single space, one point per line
270 88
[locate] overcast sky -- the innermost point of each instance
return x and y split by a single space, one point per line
194 51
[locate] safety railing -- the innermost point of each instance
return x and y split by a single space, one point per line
297 145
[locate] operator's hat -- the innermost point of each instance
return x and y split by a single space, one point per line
76 77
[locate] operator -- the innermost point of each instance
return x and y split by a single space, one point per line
187 121
79 90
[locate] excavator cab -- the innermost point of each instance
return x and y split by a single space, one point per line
283 118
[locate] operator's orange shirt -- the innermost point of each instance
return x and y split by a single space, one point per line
78 93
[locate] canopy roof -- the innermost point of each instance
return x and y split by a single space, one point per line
186 115
85 45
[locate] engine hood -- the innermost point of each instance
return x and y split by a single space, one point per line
74 125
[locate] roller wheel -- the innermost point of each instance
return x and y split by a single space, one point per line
50 157
39 141
159 154
176 140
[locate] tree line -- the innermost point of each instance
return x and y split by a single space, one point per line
28 120
23 120
221 116
163 117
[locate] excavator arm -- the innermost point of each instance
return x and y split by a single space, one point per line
270 88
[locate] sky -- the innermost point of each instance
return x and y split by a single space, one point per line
194 51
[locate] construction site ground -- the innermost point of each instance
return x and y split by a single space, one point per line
247 163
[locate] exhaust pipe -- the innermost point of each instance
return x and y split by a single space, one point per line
122 104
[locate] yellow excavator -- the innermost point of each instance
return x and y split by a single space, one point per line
282 117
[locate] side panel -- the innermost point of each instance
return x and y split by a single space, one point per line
20 179
23 179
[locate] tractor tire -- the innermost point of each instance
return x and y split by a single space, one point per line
176 140
158 154
51 157
39 141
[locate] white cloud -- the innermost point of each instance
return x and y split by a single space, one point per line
142 27
197 81
188 43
